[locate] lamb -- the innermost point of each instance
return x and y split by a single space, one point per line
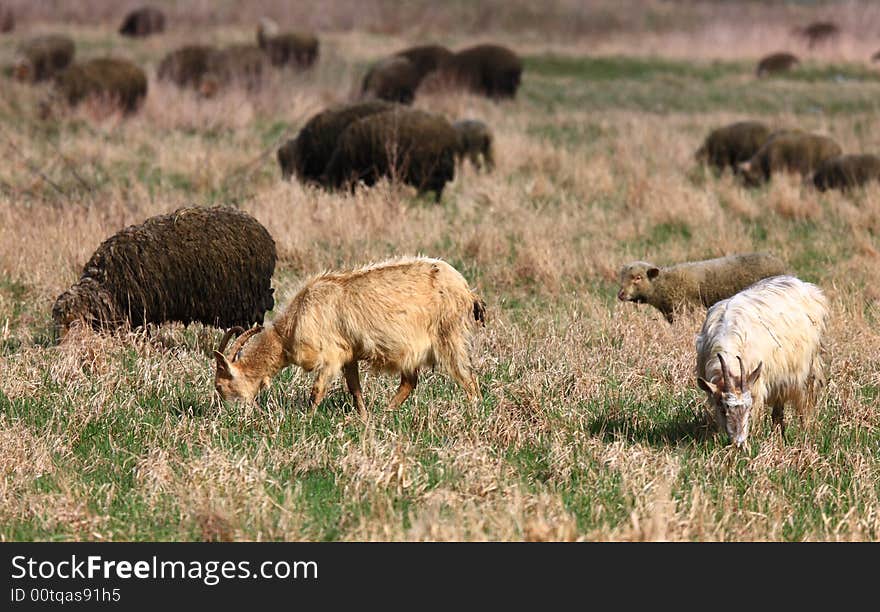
774 330
287 48
819 32
212 265
401 316
729 146
691 285
427 58
474 142
186 66
307 155
7 20
413 146
42 57
846 172
143 21
490 70
393 79
776 63
242 65
114 78
788 151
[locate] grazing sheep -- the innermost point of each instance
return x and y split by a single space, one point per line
427 58
474 142
819 32
728 146
846 172
690 285
308 154
288 48
401 316
490 70
42 57
7 20
788 151
212 265
144 21
412 146
236 65
774 330
118 79
776 63
393 79
186 66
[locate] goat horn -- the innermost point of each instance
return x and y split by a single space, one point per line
226 337
725 373
242 339
742 375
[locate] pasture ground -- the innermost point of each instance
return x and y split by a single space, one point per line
591 426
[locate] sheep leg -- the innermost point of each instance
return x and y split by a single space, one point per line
408 382
487 157
353 380
778 419
475 160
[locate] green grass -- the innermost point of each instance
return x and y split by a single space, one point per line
665 86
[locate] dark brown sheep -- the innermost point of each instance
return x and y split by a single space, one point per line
298 49
393 79
876 56
212 265
186 66
776 63
819 32
144 21
241 65
117 79
412 146
7 20
729 146
789 151
489 70
847 172
474 143
427 58
308 154
42 57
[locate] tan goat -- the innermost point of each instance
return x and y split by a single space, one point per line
399 315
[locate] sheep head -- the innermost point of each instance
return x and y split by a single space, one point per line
750 172
86 302
731 398
234 379
23 70
635 282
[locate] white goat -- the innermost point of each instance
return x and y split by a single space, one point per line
776 327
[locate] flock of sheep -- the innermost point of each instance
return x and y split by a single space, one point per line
761 342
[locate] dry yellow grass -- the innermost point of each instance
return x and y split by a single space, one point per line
591 427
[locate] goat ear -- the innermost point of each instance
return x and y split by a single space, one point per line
756 373
223 368
706 386
653 273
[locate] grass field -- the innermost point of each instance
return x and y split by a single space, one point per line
591 424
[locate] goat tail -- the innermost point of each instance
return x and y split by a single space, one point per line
479 310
